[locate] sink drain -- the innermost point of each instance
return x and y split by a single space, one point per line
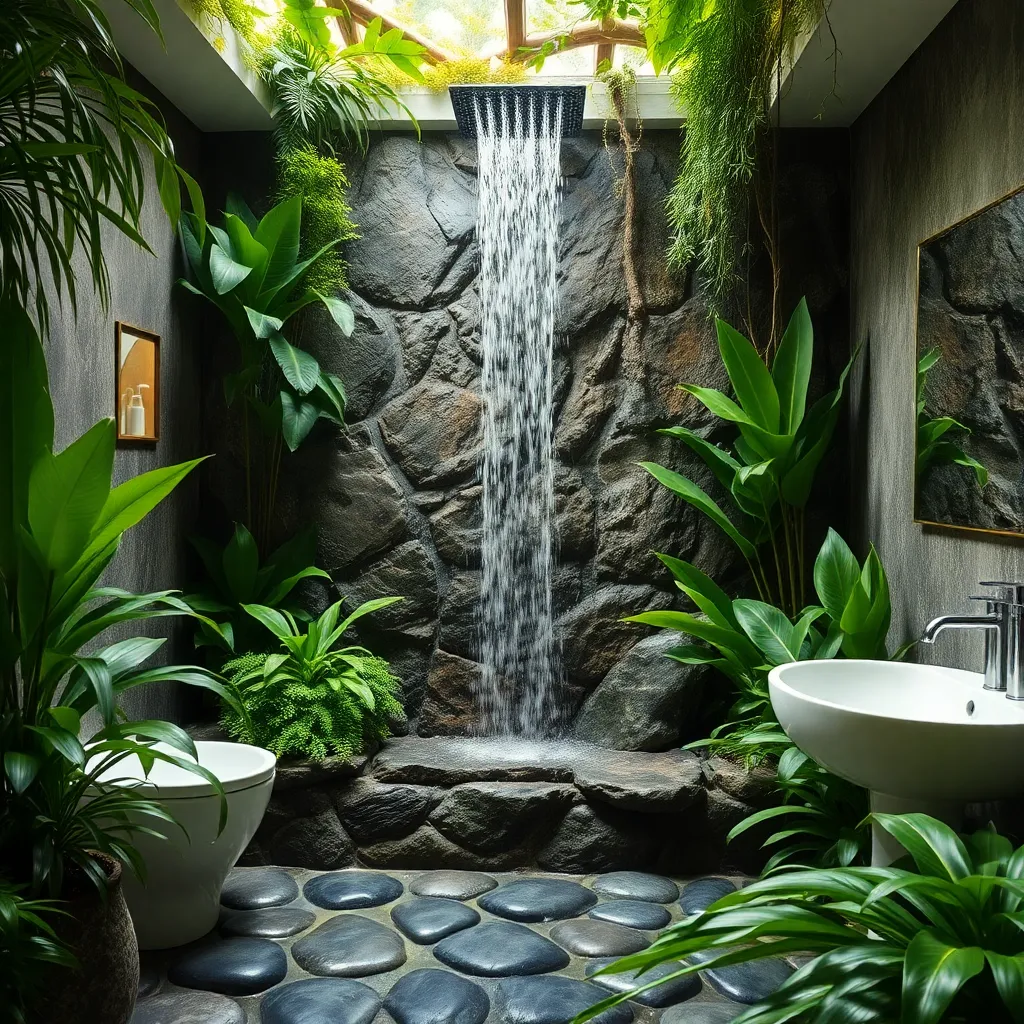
970 707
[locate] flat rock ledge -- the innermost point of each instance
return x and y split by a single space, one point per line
489 804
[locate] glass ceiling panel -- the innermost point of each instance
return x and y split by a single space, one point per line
464 27
551 15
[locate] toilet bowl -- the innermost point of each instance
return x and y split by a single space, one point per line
180 898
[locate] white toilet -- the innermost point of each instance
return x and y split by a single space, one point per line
180 900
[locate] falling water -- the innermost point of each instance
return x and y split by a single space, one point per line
518 142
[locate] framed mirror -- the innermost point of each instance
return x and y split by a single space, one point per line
136 384
969 466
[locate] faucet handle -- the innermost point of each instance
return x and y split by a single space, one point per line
1012 593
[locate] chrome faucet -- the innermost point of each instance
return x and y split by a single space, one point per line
1003 623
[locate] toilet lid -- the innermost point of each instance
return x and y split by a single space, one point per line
237 765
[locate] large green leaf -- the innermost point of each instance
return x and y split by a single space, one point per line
341 312
67 493
279 623
936 849
26 424
836 573
241 563
226 274
768 628
750 378
693 495
278 232
791 369
300 369
297 419
934 973
703 591
1008 972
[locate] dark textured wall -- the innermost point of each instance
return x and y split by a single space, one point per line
80 356
396 500
944 138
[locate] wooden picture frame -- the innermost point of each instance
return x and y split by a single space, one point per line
136 385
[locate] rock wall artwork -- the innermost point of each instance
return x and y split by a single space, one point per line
970 373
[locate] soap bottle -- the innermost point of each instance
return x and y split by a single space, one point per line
137 414
126 397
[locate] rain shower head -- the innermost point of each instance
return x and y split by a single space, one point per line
464 101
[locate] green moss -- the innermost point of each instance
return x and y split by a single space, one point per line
322 184
311 718
457 71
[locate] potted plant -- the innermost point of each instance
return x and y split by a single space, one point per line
63 833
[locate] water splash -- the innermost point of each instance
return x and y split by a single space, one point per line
519 177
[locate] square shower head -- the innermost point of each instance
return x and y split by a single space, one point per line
464 102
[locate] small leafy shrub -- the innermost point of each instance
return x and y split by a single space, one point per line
310 700
235 577
937 937
321 183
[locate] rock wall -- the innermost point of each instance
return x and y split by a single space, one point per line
396 498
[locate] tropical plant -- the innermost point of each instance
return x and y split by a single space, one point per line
250 269
324 96
744 638
320 182
825 816
770 471
28 945
61 526
310 700
936 937
934 446
235 577
74 137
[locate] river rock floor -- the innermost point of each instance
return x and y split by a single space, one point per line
438 947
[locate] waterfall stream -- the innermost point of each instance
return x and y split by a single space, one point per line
519 137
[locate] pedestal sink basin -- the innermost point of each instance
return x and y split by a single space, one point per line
920 738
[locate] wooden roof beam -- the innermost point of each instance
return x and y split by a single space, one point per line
611 31
363 13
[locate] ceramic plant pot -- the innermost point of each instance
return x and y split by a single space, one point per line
99 930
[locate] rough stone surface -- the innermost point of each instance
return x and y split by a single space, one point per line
701 1013
303 774
495 816
594 637
316 841
455 885
318 1000
633 914
499 949
233 967
428 919
676 991
349 946
445 761
431 996
642 782
592 840
637 885
449 705
538 899
456 527
188 1008
598 938
644 701
258 887
372 810
352 890
270 923
361 508
701 893
552 1000
749 785
433 432
745 983
407 572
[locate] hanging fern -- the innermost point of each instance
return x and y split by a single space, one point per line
724 57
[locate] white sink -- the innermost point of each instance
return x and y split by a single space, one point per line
921 738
